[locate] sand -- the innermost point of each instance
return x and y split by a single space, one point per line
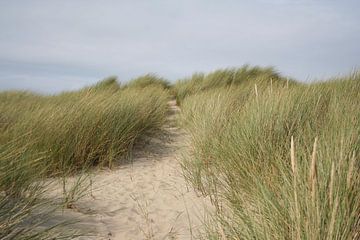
146 199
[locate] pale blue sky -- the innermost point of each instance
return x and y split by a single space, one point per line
50 46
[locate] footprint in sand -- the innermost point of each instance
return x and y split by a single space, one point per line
149 198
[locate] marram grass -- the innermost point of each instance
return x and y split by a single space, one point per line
89 127
278 162
24 212
230 77
278 159
148 80
42 136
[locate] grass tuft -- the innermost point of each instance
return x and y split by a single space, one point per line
59 135
282 163
148 80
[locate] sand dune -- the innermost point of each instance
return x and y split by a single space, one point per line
146 199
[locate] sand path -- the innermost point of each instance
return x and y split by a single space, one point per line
147 199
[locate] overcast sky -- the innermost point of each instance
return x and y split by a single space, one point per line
50 46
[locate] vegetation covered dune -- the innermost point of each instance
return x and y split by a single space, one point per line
42 136
225 78
279 159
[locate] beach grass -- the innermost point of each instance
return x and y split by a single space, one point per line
93 126
43 136
277 161
228 77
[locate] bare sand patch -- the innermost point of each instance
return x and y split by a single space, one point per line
145 199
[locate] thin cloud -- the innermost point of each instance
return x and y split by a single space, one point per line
43 44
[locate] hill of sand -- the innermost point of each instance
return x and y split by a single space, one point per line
145 199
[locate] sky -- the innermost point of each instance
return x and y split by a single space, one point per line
52 46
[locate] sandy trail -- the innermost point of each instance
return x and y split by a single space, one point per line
147 199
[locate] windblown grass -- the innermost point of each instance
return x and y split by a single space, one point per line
278 162
230 77
23 209
109 83
88 127
42 136
148 80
